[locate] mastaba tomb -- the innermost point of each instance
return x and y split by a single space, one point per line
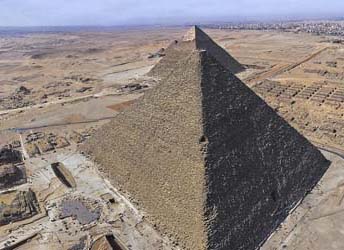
210 163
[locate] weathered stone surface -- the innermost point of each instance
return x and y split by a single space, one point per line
209 161
194 39
23 206
8 156
12 175
157 142
63 174
159 53
101 244
81 245
12 171
257 166
108 242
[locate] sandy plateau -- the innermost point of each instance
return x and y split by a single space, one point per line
56 89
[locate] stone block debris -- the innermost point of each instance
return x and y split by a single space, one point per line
18 205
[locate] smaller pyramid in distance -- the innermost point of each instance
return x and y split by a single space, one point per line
195 38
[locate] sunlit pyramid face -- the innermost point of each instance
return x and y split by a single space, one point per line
190 35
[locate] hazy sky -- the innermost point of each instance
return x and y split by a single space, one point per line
121 12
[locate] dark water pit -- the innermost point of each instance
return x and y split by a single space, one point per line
78 210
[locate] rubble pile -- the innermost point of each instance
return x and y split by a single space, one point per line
24 205
10 156
38 143
12 175
12 169
19 99
133 87
158 54
22 91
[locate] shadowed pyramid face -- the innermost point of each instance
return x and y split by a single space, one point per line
208 160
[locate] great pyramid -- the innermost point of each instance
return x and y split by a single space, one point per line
195 38
211 164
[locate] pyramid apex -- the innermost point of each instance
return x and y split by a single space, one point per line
194 39
191 34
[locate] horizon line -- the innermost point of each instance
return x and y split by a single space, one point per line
240 20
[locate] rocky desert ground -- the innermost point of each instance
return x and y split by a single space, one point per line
58 87
60 80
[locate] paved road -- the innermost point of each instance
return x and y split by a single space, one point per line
282 68
22 129
42 105
335 151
